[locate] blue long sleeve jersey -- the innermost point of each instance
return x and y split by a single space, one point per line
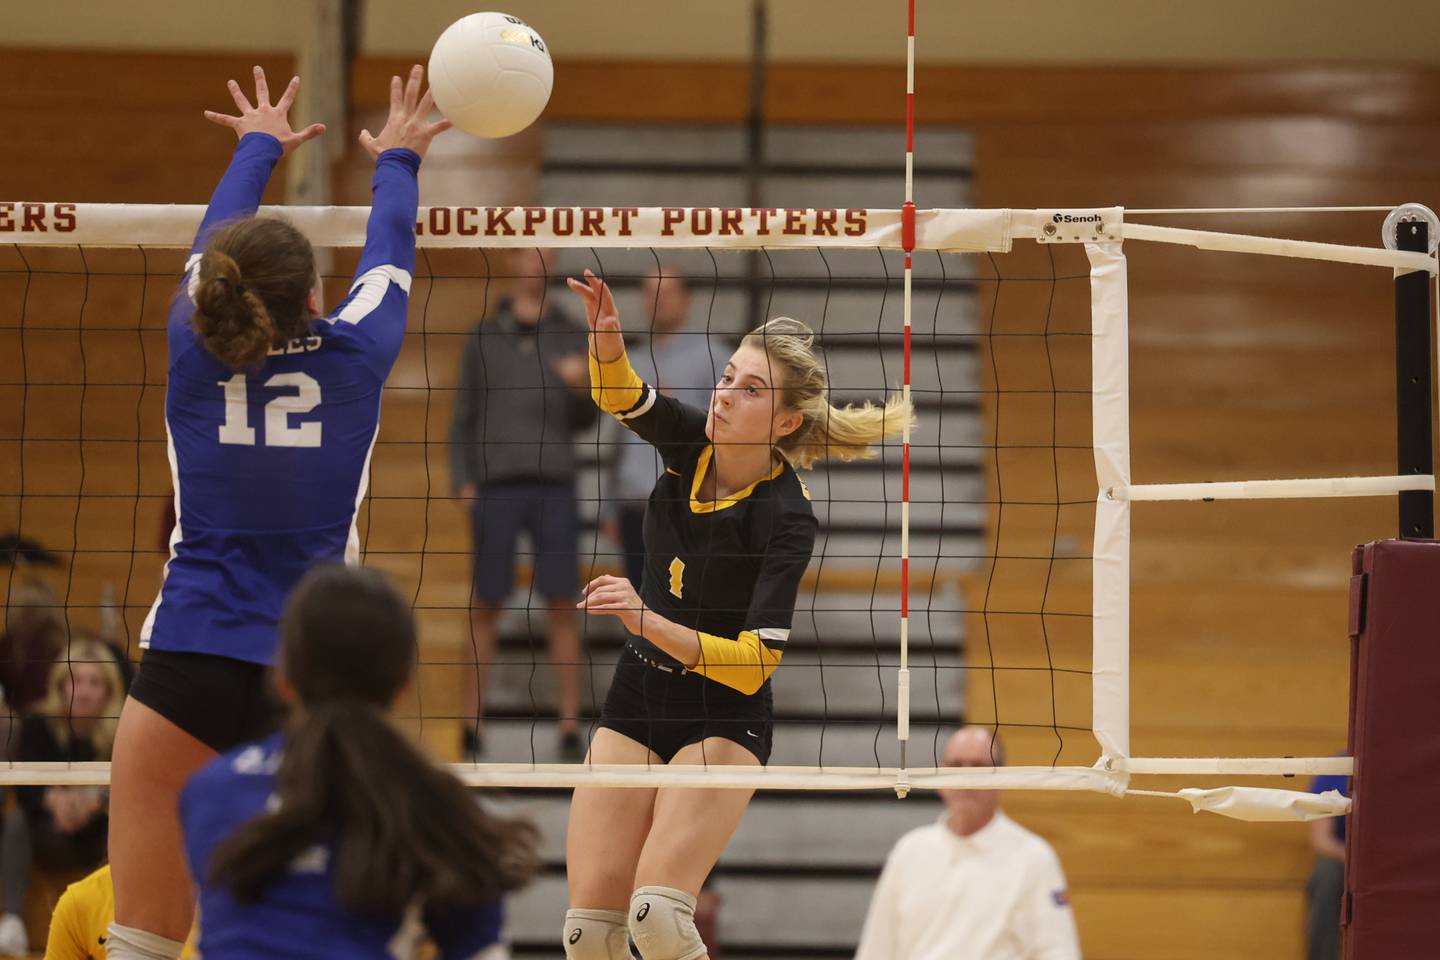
269 466
298 917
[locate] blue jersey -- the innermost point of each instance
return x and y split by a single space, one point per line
270 465
297 916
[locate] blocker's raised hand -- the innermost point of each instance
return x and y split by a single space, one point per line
409 123
262 117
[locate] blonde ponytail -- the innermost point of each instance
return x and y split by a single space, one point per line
826 432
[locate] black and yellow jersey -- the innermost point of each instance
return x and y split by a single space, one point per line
729 569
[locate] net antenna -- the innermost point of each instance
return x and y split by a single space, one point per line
907 243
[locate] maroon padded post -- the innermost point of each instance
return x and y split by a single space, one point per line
1392 858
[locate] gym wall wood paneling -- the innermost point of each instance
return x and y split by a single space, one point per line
111 127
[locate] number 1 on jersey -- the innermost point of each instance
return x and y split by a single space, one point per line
677 575
236 429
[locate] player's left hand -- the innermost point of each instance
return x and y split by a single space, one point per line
614 596
264 118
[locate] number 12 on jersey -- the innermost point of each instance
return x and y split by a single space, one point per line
279 431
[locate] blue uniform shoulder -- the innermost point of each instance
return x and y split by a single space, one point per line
223 794
249 762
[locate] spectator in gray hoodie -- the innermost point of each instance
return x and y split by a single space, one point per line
523 393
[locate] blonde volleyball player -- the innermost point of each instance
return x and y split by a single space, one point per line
728 534
271 409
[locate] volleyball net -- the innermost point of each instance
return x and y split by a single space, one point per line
979 570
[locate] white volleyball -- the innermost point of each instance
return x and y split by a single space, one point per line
491 74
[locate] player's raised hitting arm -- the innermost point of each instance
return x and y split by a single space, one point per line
676 429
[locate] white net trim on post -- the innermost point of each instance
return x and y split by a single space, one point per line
1102 231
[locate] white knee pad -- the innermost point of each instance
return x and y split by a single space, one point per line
662 924
596 935
128 943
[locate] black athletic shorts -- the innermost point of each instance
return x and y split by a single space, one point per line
219 701
669 707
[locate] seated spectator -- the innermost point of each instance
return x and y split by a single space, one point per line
974 885
1327 877
34 638
22 552
522 394
60 828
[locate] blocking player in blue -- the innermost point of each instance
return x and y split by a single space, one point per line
272 408
338 838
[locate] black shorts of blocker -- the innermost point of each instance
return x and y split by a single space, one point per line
219 701
668 707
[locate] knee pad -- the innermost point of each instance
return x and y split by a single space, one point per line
596 935
128 943
662 924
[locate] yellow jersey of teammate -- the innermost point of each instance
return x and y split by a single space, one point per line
81 920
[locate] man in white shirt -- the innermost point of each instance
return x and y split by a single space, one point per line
974 885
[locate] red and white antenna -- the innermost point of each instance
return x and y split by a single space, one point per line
907 240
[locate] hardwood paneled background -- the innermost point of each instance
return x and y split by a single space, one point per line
1241 368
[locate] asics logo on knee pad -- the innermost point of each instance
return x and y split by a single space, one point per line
662 924
596 935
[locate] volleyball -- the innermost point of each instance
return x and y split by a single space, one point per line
490 74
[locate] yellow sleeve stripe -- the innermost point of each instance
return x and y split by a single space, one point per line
615 386
743 664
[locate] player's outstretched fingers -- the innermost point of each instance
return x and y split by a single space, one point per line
427 106
287 99
583 291
242 103
224 119
262 88
397 96
412 89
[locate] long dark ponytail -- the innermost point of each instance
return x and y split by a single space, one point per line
399 828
